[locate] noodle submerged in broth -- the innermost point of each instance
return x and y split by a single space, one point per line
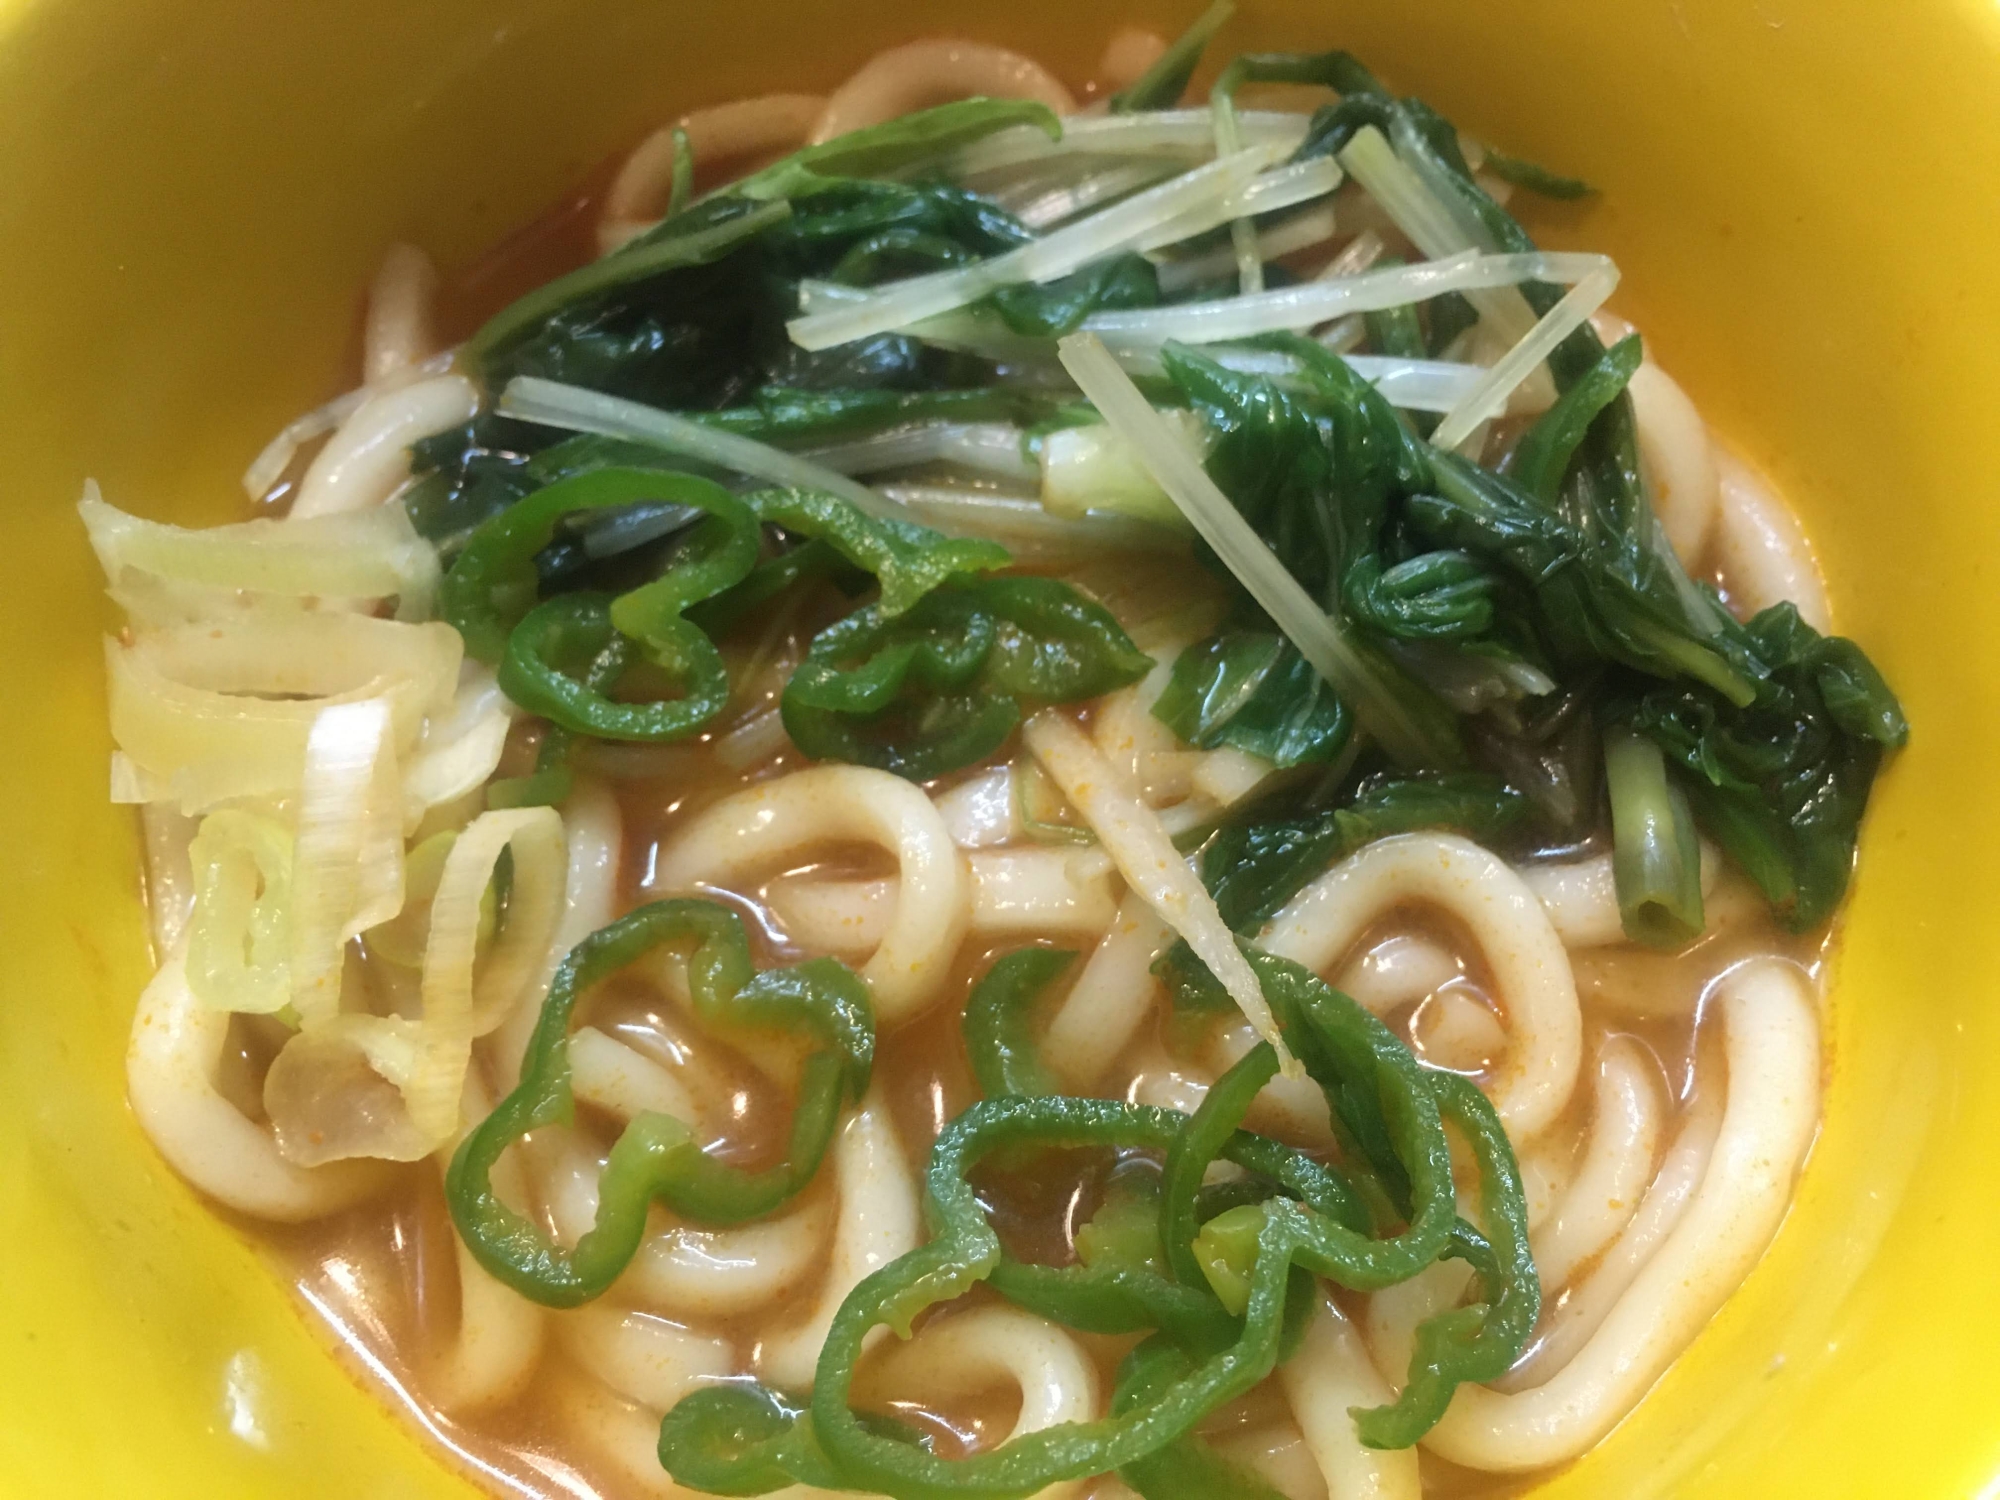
1000 799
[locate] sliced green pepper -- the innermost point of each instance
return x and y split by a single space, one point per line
657 1158
940 686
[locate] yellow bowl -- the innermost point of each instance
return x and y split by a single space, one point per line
1801 193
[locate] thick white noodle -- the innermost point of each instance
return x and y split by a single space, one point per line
1537 995
170 1069
1456 1029
368 458
1771 1041
1155 870
1330 1374
753 830
1113 994
1568 1326
879 1220
605 1072
492 1354
397 334
681 1272
1398 971
980 811
935 71
1014 892
742 129
1627 1118
1678 461
1277 1453
1581 895
1126 56
644 1358
1762 551
595 832
970 1352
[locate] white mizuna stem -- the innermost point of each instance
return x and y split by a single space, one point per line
1428 221
1316 302
1186 133
1026 529
1488 398
1318 635
1242 232
553 404
1298 233
990 447
1122 227
1130 832
1301 182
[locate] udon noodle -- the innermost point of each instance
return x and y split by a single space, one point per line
377 867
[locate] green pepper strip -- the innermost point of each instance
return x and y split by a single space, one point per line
1480 1341
656 1158
492 584
907 560
1187 1468
996 1022
721 1439
551 782
939 687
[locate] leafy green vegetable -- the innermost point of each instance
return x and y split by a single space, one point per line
1535 178
996 1022
1251 690
1161 85
1053 308
1781 783
903 144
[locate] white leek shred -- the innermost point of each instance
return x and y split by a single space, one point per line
207 713
1130 832
237 952
575 409
1187 134
1125 226
366 554
461 747
1315 302
1488 398
1179 472
990 447
347 860
457 1005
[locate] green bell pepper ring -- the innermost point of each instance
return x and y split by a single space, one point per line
656 1158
